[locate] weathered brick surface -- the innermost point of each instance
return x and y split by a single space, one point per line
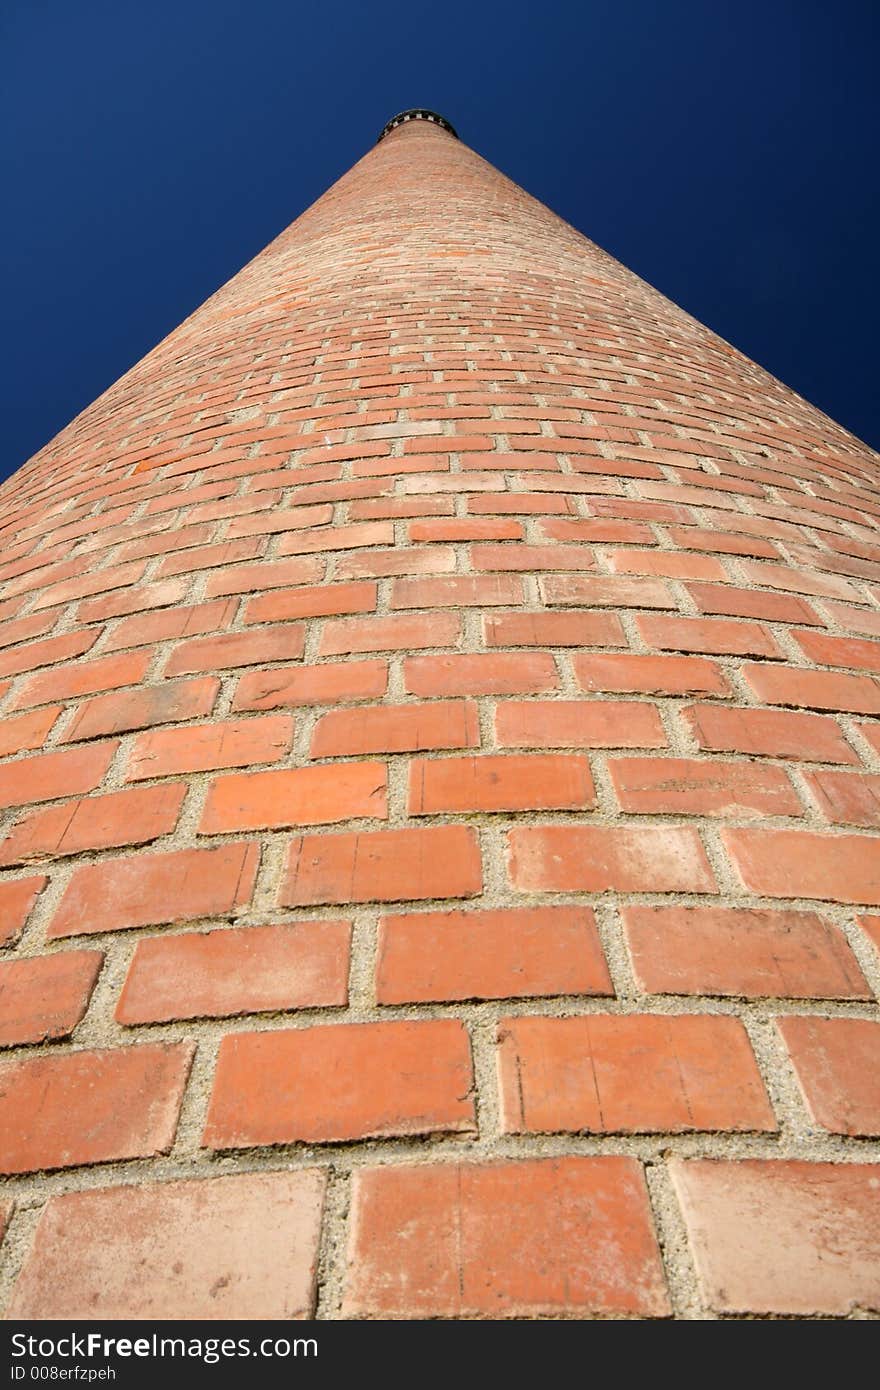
716 950
537 782
520 952
691 787
44 997
628 1075
594 859
226 743
396 729
17 898
49 776
343 1081
382 866
142 709
130 817
837 1061
228 1247
578 724
297 796
90 1107
440 634
528 1239
147 890
783 1237
799 864
768 733
217 974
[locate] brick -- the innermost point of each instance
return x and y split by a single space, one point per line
381 564
339 1082
170 623
755 954
800 581
465 529
428 957
344 490
482 673
594 532
47 776
871 927
169 703
649 675
510 463
146 890
532 558
119 577
278 520
768 733
139 599
793 685
323 601
782 1236
862 620
665 564
295 796
396 729
267 574
692 538
420 484
181 538
399 633
43 998
633 1074
21 629
578 724
585 591
24 732
689 786
401 507
713 637
548 782
208 747
519 504
596 859
95 822
751 603
383 866
458 591
871 733
66 1109
282 643
82 678
244 970
846 798
242 1246
553 630
311 685
333 538
17 899
825 650
837 1064
530 1238
800 864
203 557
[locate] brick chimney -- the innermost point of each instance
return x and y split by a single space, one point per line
440 782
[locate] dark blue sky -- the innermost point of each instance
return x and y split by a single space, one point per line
724 149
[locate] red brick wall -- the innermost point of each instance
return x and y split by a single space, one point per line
440 774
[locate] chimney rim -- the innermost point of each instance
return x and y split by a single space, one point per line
417 113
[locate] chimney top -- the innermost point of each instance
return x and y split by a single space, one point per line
417 113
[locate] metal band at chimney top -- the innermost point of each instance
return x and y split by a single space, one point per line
417 113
